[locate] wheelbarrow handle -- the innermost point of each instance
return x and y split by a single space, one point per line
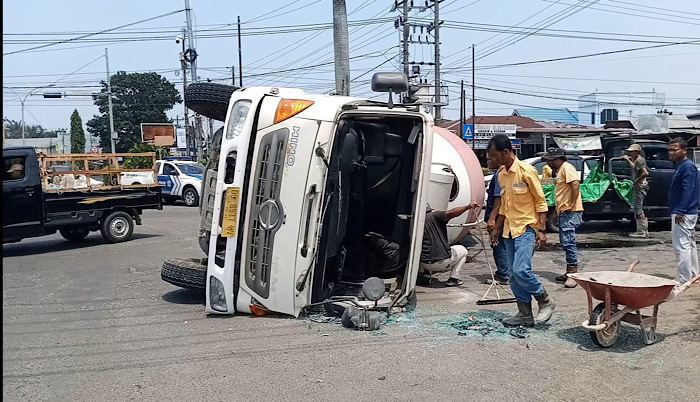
681 288
632 266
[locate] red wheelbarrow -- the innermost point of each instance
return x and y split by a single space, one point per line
624 294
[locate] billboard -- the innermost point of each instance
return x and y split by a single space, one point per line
161 134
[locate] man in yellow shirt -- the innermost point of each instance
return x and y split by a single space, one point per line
521 221
567 196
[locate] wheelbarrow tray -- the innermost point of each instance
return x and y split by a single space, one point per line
626 288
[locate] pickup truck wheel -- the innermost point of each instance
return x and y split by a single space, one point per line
190 197
209 99
74 234
185 273
117 227
552 221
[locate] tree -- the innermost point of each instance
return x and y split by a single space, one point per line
14 130
77 134
137 98
144 162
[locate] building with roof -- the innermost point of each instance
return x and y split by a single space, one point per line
561 115
597 108
48 145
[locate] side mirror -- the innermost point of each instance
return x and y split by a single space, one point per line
389 82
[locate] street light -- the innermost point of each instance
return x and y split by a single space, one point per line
22 100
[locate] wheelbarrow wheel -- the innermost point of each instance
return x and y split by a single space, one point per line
605 337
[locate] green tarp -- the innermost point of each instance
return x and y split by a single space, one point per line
594 186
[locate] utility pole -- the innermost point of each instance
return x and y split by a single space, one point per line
342 48
438 106
183 66
112 133
233 76
406 33
461 109
190 41
473 102
240 57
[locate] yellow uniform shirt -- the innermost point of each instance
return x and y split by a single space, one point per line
546 172
522 198
563 190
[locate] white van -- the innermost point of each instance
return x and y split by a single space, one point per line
314 195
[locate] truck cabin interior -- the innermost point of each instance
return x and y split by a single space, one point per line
368 204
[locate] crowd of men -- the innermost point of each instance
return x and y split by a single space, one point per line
516 215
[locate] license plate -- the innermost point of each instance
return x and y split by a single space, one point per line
228 228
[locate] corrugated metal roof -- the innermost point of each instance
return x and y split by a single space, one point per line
562 115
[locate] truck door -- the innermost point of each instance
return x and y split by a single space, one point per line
22 201
168 179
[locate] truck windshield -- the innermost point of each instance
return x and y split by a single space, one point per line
190 168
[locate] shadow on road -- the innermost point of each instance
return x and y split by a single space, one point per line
185 296
50 246
630 340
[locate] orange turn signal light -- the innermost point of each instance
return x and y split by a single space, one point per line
290 107
258 310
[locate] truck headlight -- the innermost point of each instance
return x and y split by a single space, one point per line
217 296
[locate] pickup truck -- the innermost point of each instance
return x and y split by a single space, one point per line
613 207
32 206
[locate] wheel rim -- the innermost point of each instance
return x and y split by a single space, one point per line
189 197
607 336
119 226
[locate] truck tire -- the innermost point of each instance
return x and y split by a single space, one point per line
209 99
117 227
74 234
188 274
190 197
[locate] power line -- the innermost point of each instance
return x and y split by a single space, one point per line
91 34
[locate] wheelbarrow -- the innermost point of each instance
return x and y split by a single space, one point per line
624 294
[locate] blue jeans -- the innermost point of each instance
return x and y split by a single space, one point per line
569 221
500 256
520 250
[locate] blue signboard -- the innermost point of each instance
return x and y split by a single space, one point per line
468 131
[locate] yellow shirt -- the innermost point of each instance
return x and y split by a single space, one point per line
563 189
546 171
522 198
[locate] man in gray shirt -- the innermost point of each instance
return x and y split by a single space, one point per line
437 255
640 172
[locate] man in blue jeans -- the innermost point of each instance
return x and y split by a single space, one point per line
493 205
521 221
567 198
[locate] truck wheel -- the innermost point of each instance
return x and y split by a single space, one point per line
188 274
209 99
552 221
117 227
74 234
190 197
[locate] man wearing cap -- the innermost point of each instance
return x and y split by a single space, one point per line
436 254
569 207
640 172
16 171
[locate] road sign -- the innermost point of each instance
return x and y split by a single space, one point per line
468 131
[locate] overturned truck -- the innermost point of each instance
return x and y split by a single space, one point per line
306 197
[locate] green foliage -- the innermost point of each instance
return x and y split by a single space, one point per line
144 162
77 134
14 130
137 98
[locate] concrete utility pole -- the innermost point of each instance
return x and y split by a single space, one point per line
473 102
406 33
112 133
190 40
342 48
438 107
240 56
183 66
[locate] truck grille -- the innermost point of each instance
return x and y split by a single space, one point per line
267 214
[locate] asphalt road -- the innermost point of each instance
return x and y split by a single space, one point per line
94 321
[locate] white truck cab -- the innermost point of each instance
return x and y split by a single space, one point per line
314 195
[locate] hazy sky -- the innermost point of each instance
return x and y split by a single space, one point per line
505 32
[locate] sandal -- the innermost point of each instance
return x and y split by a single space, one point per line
454 282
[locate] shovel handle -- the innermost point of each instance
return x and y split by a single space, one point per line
632 266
